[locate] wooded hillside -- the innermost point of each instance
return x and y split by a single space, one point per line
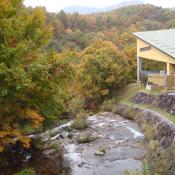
52 64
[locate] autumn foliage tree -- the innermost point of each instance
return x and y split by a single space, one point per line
102 71
33 82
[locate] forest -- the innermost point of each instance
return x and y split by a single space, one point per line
53 65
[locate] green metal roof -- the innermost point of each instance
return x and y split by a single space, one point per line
163 40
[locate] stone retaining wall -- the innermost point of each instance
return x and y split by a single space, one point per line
164 129
165 101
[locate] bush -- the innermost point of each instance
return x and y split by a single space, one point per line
70 136
85 138
37 143
130 113
148 132
29 171
132 173
80 122
108 105
158 160
55 146
76 104
114 110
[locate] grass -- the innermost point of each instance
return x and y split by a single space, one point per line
159 111
108 105
28 171
80 123
158 160
155 92
55 146
85 138
127 93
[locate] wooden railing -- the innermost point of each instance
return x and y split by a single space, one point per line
162 80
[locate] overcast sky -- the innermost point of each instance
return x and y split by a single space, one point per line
57 5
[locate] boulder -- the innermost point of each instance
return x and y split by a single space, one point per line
99 153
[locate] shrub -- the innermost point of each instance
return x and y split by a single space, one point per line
132 173
37 143
76 104
85 138
114 110
80 122
130 113
29 171
70 136
148 132
158 160
102 149
55 146
107 105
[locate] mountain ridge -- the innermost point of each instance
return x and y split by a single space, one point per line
89 10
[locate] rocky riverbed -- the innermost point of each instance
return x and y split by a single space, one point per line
117 147
112 145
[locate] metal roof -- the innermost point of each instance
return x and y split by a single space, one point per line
163 40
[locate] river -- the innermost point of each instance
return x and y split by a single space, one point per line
123 143
117 146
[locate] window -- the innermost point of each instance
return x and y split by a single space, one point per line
143 49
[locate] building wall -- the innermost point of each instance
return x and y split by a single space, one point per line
153 54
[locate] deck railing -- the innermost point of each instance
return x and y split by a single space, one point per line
162 80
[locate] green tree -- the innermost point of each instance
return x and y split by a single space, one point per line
33 82
101 72
63 18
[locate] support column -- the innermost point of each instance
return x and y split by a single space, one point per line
139 68
170 69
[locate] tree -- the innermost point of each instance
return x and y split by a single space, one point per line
33 81
63 18
101 72
58 29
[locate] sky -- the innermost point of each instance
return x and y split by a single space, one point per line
57 5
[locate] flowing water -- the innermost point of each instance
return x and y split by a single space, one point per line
120 139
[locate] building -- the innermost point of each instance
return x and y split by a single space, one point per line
157 45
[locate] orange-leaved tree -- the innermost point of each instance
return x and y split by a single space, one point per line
33 82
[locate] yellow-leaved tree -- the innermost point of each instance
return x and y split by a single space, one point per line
33 81
102 71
